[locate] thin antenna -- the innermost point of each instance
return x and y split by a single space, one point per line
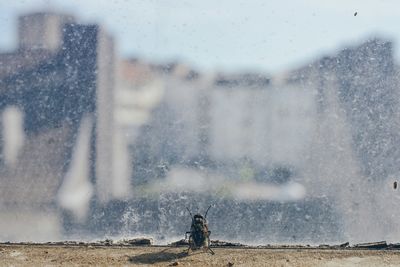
205 216
189 212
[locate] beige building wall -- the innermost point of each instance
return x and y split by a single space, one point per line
42 30
105 115
269 125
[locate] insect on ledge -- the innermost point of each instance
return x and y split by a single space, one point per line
199 235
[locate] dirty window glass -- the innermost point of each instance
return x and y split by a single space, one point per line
117 117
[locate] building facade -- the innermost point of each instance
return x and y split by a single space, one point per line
61 81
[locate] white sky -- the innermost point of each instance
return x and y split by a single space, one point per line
269 35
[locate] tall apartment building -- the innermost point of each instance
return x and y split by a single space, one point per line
61 79
362 82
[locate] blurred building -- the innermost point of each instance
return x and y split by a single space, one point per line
256 118
42 30
60 82
225 123
354 152
334 118
360 85
138 91
331 125
175 131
